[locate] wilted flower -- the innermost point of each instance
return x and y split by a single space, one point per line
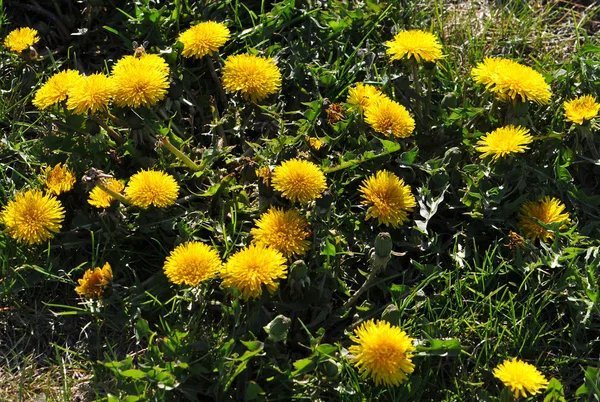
504 141
417 44
520 377
583 108
32 217
390 199
152 187
252 267
299 180
101 199
140 81
389 118
58 179
204 38
362 96
94 282
56 88
90 93
511 80
285 231
191 263
549 210
254 76
383 352
21 39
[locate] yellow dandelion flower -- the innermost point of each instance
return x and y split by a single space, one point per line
152 187
299 180
362 96
191 263
583 108
511 80
94 282
390 199
204 38
549 210
32 217
21 39
99 198
58 179
521 377
390 118
56 88
383 352
252 267
140 81
415 43
314 143
285 231
90 93
504 141
254 76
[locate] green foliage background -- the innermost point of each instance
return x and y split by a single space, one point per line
453 283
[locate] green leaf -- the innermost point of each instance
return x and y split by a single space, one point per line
133 373
555 391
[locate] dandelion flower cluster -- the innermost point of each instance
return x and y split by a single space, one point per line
504 141
390 118
582 108
204 39
152 187
520 377
94 282
382 352
21 39
140 81
58 179
252 267
254 76
99 198
91 93
191 263
362 96
285 231
32 217
314 143
510 80
548 210
56 89
417 44
299 180
390 199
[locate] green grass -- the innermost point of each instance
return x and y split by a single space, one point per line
454 283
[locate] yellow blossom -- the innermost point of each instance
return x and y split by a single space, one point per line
390 118
58 179
99 198
94 282
504 141
55 89
520 377
583 108
254 76
91 93
191 263
152 187
382 352
299 180
389 198
362 96
32 217
252 267
140 81
203 39
548 210
417 44
285 231
21 39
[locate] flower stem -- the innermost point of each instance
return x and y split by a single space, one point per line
180 155
213 73
115 136
117 196
415 74
222 140
357 162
